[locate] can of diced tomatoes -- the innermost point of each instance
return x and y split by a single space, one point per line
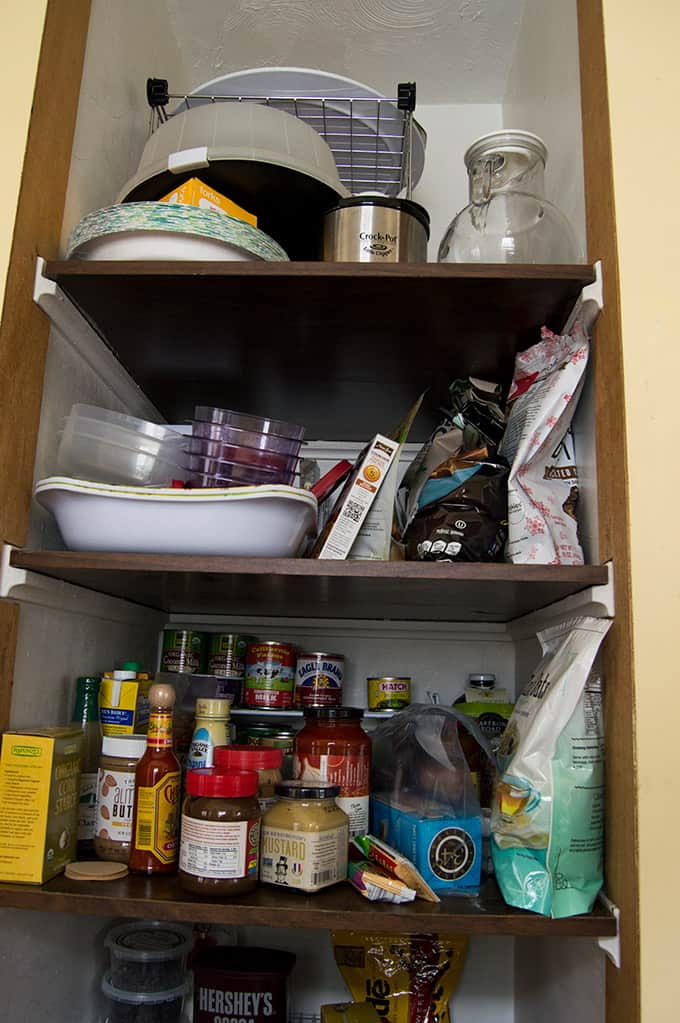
389 692
270 675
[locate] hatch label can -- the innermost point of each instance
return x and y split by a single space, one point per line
389 692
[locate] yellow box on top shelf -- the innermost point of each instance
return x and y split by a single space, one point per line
194 193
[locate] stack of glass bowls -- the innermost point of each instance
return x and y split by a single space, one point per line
110 447
231 449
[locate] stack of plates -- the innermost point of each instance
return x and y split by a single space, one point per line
158 230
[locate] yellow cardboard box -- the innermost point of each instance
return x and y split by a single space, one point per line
194 193
39 793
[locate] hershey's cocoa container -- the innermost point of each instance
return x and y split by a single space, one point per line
183 651
270 675
227 653
318 680
238 983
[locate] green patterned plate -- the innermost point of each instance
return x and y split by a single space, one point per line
185 222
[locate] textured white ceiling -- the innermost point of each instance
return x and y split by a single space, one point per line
456 50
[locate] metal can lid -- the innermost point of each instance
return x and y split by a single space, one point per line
320 654
248 758
221 783
481 681
307 790
331 713
389 678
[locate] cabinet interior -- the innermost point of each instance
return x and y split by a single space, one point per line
530 53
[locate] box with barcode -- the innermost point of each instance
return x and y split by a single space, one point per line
356 498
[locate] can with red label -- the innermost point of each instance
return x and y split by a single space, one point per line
333 747
270 675
318 680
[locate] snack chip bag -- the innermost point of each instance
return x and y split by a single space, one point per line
408 978
543 485
548 812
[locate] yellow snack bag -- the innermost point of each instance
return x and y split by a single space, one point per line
408 978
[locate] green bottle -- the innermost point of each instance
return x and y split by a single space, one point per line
86 714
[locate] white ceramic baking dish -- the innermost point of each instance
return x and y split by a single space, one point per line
264 521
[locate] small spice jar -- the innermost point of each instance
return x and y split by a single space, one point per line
220 837
116 795
267 763
305 837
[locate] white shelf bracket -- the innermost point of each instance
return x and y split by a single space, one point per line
10 577
589 304
612 946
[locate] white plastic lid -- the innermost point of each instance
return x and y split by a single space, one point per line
124 676
117 994
127 747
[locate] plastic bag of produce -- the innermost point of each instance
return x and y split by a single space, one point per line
543 483
408 978
424 802
548 808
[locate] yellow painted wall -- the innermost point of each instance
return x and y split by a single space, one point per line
22 25
644 86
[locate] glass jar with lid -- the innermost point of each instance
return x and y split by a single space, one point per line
508 219
265 761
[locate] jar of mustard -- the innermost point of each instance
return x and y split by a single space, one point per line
304 837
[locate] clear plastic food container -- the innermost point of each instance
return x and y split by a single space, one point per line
120 419
93 451
226 417
147 956
143 1006
261 459
251 439
238 471
242 477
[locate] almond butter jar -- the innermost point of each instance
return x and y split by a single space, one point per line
116 796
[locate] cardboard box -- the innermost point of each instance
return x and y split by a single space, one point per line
39 794
194 193
356 498
446 850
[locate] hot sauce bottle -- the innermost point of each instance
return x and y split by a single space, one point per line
155 826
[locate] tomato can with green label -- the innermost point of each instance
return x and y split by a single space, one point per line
389 692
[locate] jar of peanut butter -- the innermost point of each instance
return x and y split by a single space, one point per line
220 838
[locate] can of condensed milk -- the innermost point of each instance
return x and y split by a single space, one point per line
388 692
318 680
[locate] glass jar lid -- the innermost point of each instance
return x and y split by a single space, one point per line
249 758
334 713
512 141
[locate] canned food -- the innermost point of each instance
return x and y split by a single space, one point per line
182 651
272 737
227 653
388 692
318 680
270 675
229 689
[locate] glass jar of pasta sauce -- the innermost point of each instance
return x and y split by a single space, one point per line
333 747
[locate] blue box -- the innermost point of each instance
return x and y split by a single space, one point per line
446 850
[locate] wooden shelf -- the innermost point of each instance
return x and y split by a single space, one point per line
343 348
163 899
318 589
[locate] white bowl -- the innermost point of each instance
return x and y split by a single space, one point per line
267 521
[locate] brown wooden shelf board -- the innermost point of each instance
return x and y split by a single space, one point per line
163 899
319 589
343 348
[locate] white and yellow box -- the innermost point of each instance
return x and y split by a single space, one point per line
194 193
39 794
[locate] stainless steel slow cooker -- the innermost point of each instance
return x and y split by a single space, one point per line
376 229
